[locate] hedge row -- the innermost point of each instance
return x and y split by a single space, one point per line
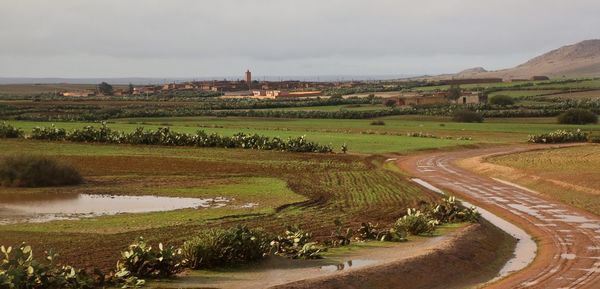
165 136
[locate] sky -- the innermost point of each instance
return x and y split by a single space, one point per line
201 38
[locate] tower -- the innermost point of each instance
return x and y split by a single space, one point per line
248 77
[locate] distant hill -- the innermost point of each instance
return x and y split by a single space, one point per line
577 60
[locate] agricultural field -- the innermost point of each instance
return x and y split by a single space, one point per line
348 107
259 188
264 188
33 89
523 93
570 175
591 94
360 135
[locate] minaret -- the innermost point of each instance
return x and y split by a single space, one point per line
249 78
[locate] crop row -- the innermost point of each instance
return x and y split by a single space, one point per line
167 137
213 249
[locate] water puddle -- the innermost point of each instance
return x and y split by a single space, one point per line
350 264
526 248
36 208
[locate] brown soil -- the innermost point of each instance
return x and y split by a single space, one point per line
567 237
472 257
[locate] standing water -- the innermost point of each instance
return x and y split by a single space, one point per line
48 207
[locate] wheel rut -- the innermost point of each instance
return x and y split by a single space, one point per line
568 238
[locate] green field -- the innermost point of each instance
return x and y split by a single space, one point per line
570 175
359 135
523 93
288 188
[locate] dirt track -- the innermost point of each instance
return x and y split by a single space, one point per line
568 238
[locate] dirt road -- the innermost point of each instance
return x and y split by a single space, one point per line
568 238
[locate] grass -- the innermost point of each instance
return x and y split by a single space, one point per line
360 135
571 175
523 93
353 133
288 188
359 107
593 94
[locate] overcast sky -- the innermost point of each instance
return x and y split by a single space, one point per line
185 38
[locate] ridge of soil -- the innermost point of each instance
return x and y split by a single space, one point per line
471 257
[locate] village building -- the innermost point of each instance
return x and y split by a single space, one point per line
471 97
145 90
433 98
78 93
275 94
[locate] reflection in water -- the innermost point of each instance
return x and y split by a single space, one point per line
47 207
35 197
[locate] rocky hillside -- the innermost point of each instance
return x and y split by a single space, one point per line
577 60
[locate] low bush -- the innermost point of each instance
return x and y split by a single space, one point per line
559 136
368 231
594 139
48 133
217 247
296 244
91 134
141 261
450 210
378 122
466 116
19 270
502 100
36 171
341 236
391 103
578 116
416 223
9 131
165 136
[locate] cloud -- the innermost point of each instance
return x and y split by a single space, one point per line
383 36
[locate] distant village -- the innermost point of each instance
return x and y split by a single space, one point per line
293 89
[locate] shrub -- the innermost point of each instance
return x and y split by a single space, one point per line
8 131
594 139
578 116
391 103
91 134
36 171
141 261
501 100
19 270
165 136
48 133
450 210
378 122
559 136
467 116
219 247
368 231
296 244
416 223
340 237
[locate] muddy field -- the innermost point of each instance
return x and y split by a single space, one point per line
287 188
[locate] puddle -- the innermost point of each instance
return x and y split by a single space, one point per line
348 265
527 210
48 207
249 205
526 248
